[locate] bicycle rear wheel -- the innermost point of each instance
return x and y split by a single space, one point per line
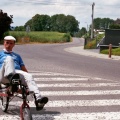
26 114
4 102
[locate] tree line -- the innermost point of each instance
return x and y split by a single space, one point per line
59 22
100 24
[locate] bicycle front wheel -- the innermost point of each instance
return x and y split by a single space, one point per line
26 114
4 102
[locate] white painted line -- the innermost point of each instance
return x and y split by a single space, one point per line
60 79
79 116
67 79
79 85
72 103
41 73
69 116
9 117
53 73
96 92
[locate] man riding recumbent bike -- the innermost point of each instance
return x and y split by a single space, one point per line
12 69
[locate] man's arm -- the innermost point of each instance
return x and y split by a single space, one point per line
24 68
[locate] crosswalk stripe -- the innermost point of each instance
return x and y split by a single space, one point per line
73 103
67 79
96 92
79 85
53 74
80 116
70 116
9 117
60 79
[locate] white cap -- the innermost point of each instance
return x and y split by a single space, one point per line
9 38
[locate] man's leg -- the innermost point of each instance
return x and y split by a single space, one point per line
26 77
7 69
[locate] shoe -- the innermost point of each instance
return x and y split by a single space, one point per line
9 77
40 103
13 76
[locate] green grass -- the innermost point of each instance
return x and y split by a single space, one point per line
115 51
91 44
41 37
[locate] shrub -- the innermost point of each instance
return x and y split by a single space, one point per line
91 45
115 51
67 37
42 37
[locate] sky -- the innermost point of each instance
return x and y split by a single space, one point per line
24 10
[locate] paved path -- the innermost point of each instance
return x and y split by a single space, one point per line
72 97
90 52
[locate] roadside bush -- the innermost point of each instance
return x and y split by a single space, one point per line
92 44
67 37
115 51
41 37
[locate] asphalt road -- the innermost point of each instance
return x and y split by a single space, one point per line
53 58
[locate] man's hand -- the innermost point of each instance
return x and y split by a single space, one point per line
24 68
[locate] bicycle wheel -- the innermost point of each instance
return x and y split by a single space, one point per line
26 114
4 102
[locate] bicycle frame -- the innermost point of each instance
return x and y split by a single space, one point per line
9 95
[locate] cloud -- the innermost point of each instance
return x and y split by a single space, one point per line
23 10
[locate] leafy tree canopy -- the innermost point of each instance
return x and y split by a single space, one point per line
114 26
58 22
5 22
102 23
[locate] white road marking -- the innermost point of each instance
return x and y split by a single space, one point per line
41 73
67 79
9 117
69 93
53 73
60 79
80 116
72 103
70 116
79 85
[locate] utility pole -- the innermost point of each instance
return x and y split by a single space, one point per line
92 28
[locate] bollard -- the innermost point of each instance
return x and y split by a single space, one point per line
110 50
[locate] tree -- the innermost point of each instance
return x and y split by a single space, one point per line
114 26
5 22
102 23
19 28
58 22
53 24
81 32
62 23
71 25
39 23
